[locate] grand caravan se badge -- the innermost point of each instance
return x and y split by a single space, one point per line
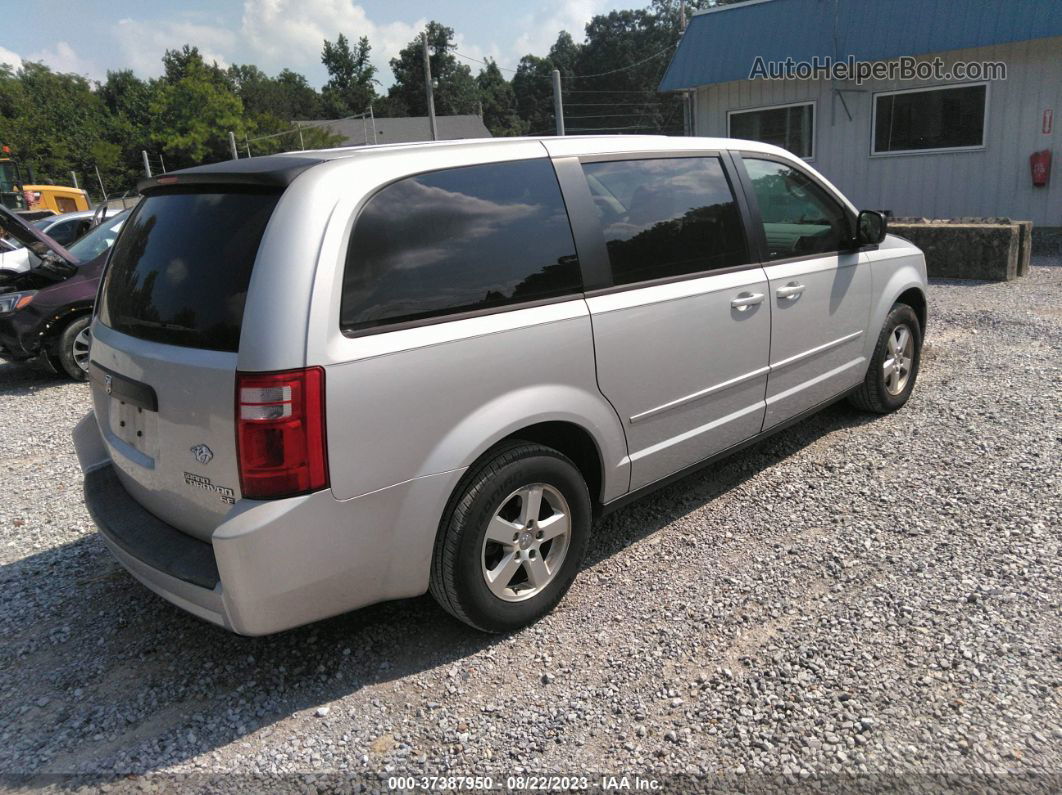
198 481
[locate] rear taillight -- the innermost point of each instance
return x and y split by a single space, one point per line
280 433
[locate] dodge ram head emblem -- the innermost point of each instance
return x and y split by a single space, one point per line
108 383
202 453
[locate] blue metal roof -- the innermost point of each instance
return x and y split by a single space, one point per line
721 44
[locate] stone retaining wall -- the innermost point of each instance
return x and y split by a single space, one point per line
996 249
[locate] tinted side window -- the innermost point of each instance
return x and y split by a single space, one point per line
799 217
666 217
459 240
64 233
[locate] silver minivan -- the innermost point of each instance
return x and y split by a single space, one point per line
327 379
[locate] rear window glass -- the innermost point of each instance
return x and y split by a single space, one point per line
459 240
180 269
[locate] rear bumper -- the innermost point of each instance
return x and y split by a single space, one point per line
176 566
272 565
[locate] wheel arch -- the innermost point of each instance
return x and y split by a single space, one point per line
915 298
901 281
53 328
573 441
569 418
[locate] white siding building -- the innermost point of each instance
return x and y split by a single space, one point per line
939 147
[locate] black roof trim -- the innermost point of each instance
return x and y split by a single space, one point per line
274 171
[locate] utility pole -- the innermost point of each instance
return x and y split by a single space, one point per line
428 89
147 163
232 145
302 144
73 176
372 118
558 103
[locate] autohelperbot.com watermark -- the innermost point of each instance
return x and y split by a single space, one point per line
904 68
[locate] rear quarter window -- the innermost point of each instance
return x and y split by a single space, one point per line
458 240
181 266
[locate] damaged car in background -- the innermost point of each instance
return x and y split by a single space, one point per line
46 298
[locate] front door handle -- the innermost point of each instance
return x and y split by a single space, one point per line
745 300
790 291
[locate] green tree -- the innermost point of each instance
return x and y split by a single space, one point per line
617 72
351 77
498 101
533 83
127 99
564 54
287 96
273 105
54 123
178 64
533 92
295 97
193 110
455 88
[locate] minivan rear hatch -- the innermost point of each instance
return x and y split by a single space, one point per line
165 347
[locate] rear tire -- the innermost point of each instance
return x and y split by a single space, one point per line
513 538
71 355
894 367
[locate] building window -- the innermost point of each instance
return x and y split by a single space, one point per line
930 119
791 127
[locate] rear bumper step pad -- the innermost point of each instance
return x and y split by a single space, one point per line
144 536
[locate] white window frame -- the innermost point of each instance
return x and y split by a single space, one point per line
814 121
944 87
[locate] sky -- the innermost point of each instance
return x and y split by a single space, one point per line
90 37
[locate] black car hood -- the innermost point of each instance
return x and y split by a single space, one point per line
32 238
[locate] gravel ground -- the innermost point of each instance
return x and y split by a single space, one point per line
854 595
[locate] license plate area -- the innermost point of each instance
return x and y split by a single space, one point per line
135 426
132 414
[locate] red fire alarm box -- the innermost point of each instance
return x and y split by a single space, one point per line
1040 164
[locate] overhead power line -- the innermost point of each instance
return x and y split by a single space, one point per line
646 92
623 68
480 60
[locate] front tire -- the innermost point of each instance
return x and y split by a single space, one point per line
894 367
71 355
513 538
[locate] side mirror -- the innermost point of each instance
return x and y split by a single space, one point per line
870 228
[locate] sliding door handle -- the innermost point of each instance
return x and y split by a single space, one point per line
791 291
745 300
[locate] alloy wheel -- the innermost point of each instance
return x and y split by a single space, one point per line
526 542
80 351
898 359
